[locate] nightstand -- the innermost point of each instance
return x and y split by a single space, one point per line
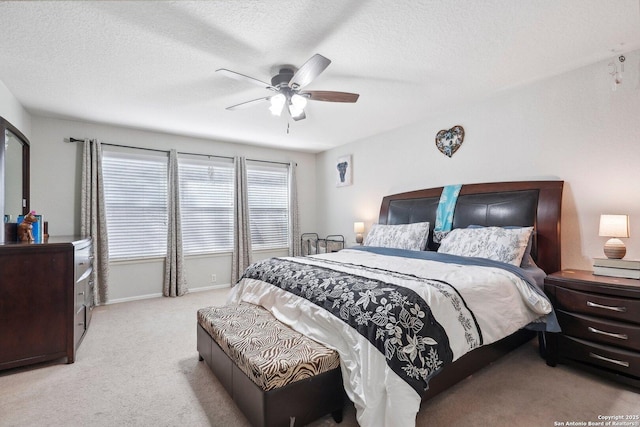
600 321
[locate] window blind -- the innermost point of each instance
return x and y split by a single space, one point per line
135 189
268 194
206 202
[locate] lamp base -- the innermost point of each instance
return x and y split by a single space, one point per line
359 238
615 249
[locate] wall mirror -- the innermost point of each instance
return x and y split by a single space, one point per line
14 175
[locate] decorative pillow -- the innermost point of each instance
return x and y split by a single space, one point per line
527 259
499 244
402 236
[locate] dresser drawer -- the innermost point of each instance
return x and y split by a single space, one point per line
80 290
625 309
600 330
82 261
619 360
79 325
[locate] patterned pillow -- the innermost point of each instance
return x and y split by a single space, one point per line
497 243
527 259
402 236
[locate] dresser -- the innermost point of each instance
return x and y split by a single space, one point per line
45 300
600 321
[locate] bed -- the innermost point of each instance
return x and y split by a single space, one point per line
410 323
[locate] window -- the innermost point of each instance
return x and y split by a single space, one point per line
268 193
135 189
206 203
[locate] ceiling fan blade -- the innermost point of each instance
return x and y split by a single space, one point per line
330 96
309 71
248 103
238 76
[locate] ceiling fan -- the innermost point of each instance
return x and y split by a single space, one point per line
288 85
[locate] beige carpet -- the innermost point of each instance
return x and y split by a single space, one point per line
138 366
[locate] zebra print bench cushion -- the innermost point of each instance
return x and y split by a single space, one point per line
270 353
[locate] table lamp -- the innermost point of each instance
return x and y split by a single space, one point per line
358 228
614 226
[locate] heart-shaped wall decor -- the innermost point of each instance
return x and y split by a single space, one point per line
448 141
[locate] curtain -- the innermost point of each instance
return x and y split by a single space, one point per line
93 222
241 257
174 279
294 226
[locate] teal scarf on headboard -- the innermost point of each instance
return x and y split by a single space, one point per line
446 207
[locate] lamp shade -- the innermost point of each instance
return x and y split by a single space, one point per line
614 226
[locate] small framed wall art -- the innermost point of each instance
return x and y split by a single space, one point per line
344 171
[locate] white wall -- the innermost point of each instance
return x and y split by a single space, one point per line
55 193
571 127
13 112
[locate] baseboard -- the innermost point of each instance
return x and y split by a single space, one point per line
210 288
135 298
149 296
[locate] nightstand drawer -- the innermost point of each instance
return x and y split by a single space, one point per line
612 358
600 330
619 308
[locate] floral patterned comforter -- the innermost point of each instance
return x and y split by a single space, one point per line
394 321
393 318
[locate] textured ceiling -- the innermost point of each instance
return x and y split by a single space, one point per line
150 65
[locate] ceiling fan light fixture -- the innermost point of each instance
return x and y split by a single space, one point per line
296 106
295 111
277 104
299 101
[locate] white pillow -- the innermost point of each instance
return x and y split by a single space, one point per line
527 259
497 243
401 236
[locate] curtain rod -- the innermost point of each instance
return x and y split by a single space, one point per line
71 139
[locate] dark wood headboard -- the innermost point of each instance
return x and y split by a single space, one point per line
520 203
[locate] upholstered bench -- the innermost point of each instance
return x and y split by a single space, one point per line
276 376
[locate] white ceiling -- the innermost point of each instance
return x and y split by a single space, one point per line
150 65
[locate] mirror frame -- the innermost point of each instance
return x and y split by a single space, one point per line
5 125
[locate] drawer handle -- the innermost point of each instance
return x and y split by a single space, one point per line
606 359
609 334
82 293
607 307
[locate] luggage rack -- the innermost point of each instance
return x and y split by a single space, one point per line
312 244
